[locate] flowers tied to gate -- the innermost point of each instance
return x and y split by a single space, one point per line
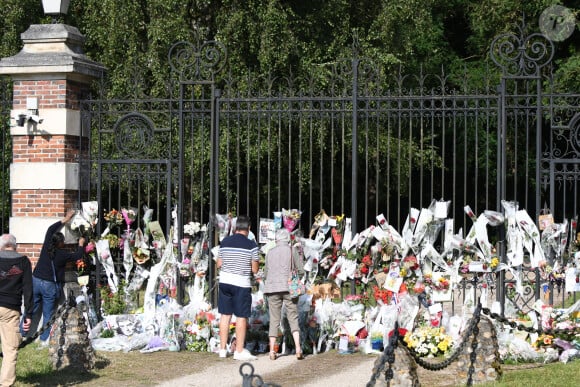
290 218
428 341
440 284
193 228
129 214
81 266
113 218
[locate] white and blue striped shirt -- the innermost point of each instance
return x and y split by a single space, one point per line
237 253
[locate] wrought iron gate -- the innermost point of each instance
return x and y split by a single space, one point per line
347 140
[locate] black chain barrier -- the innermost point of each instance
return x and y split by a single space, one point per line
65 307
60 350
520 327
472 329
388 354
250 379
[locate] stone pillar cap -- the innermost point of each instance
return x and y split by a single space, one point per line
45 34
51 49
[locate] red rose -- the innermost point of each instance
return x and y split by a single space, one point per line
363 333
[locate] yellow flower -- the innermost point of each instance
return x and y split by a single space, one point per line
443 345
494 262
403 272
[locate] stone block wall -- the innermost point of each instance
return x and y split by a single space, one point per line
487 367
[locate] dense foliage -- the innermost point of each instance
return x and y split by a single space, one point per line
275 37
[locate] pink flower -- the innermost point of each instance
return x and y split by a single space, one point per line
419 287
90 247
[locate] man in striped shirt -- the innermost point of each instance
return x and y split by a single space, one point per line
238 260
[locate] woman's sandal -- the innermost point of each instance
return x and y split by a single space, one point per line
273 355
299 355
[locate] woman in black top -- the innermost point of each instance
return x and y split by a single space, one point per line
48 274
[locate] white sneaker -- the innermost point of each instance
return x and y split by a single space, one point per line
245 355
223 353
42 343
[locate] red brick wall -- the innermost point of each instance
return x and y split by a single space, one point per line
42 202
51 94
45 149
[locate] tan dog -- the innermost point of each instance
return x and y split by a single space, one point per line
325 290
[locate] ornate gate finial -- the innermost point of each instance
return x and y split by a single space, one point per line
197 62
521 55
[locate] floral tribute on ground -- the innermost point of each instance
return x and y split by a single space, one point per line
359 283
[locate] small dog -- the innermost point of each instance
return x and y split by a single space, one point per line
325 290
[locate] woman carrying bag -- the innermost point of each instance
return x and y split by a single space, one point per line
280 261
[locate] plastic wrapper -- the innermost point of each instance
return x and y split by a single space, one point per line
222 223
104 257
515 348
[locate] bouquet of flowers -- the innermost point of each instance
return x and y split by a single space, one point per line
113 218
83 222
338 230
129 215
543 341
382 295
81 266
222 222
79 225
192 228
197 333
90 212
290 218
441 284
429 341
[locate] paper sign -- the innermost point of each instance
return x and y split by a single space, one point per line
435 308
571 284
442 295
441 209
267 230
393 282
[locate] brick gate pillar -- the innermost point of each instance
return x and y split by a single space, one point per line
49 74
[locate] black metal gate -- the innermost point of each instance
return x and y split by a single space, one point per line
350 139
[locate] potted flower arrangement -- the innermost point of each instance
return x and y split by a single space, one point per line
428 341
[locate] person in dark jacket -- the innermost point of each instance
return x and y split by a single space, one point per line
15 288
48 275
